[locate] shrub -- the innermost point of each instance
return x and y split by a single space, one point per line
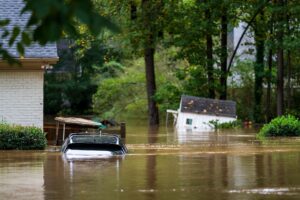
226 125
20 137
281 126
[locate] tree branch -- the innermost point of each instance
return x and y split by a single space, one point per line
262 6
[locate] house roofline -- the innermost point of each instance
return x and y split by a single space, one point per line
215 115
28 63
51 59
205 98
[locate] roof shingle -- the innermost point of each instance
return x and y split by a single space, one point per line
205 106
11 9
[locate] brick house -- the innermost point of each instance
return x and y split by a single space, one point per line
21 88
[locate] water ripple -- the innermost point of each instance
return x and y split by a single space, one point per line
269 191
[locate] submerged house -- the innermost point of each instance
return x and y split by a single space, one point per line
196 113
21 87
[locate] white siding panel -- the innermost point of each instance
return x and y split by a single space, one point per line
199 122
21 97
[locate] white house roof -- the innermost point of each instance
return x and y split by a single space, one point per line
205 106
11 9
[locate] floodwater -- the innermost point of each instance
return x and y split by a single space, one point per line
161 165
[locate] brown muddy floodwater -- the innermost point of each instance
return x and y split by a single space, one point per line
161 165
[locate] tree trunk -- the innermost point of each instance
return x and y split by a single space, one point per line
149 50
288 63
269 73
258 85
280 96
209 56
151 86
259 36
223 78
133 11
269 78
280 62
289 75
160 8
260 8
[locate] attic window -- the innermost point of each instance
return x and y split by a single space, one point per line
189 121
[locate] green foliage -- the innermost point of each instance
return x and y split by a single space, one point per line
226 125
51 20
22 138
281 126
52 94
241 86
78 93
56 17
169 87
168 96
68 94
112 64
188 28
193 79
70 88
111 69
120 95
123 94
192 25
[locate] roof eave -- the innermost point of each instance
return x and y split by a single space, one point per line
28 63
210 114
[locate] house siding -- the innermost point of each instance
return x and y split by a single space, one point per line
199 122
21 97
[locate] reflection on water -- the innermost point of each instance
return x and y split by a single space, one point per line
80 179
21 175
161 165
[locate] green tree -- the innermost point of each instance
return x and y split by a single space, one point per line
224 50
259 37
209 52
74 79
142 28
280 57
150 14
192 26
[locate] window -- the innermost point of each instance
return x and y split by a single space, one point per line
189 121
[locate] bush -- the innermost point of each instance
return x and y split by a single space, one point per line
281 126
20 137
226 125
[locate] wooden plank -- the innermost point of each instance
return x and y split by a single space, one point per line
56 137
64 132
123 130
78 121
